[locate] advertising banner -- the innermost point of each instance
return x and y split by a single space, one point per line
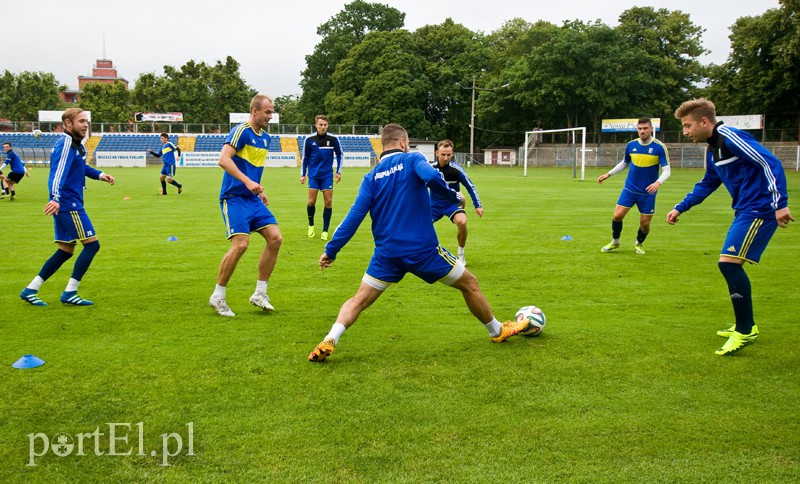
627 125
158 117
747 121
125 159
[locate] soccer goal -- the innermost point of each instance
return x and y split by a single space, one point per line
556 147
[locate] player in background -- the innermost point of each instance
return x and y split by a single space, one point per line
757 183
644 155
18 170
318 153
168 150
68 172
244 204
441 206
395 195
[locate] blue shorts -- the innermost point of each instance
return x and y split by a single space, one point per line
445 210
321 182
748 237
645 202
245 215
71 226
436 264
168 170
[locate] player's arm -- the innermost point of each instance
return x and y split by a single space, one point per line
337 149
434 181
347 229
665 173
700 192
157 154
618 168
306 160
472 190
226 163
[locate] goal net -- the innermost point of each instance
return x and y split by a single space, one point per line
556 147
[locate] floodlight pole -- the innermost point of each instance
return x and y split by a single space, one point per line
472 127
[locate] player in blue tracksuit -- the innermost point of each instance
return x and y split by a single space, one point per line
68 173
441 206
395 195
755 179
644 156
243 203
17 171
167 155
318 154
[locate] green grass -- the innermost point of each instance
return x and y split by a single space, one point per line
622 386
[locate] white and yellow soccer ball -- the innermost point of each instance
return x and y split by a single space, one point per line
536 320
37 133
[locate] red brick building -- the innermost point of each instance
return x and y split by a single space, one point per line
103 71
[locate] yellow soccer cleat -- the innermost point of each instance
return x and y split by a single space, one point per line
322 351
509 329
311 231
609 247
736 342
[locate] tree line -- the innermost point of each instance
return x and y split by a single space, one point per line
368 70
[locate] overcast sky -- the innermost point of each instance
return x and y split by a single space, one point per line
271 39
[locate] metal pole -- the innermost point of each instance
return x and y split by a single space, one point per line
472 127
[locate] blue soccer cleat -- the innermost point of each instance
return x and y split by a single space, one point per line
72 298
31 296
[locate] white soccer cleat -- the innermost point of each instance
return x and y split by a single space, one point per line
221 307
261 301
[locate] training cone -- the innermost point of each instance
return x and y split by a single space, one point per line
566 237
172 238
28 361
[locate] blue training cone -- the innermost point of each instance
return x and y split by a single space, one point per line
28 361
172 238
566 237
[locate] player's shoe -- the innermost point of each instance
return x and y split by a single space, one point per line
324 236
639 249
261 301
180 190
13 197
72 298
311 231
509 329
31 296
323 350
727 332
736 342
609 247
220 306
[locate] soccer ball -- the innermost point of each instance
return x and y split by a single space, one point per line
37 133
536 320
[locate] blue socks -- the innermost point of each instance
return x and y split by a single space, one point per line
326 218
741 296
85 260
54 263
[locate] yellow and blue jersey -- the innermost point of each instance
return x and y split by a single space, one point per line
251 155
168 151
644 160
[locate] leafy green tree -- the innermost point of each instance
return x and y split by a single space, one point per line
339 35
762 73
670 45
109 103
202 92
453 54
289 109
382 80
22 96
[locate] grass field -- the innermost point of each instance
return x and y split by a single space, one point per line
622 386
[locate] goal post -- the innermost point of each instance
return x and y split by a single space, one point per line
534 139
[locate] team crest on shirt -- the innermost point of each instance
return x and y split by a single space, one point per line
650 151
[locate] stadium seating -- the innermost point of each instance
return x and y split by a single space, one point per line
132 142
27 140
349 143
214 142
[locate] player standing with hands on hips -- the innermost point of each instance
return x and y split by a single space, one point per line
318 153
244 204
68 172
755 179
395 195
644 156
